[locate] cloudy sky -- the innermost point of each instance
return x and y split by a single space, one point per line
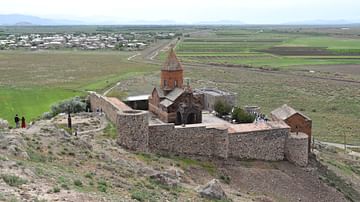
188 11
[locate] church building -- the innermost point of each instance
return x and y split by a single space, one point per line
174 102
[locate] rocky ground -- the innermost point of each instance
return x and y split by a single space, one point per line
47 162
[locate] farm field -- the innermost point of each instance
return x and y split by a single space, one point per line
271 48
32 81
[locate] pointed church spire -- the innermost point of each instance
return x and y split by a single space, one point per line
172 63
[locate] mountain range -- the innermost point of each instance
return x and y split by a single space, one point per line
24 20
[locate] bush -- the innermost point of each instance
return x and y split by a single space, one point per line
13 180
102 188
56 189
65 186
73 105
222 108
241 116
78 183
225 178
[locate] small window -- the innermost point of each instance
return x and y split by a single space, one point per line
165 83
175 83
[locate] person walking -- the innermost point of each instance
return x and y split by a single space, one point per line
23 122
17 120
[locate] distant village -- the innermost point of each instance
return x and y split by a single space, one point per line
82 41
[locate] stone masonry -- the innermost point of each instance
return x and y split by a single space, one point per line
296 149
266 145
135 133
134 138
100 102
198 140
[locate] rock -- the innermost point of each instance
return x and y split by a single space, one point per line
4 124
24 155
146 171
175 172
213 190
165 178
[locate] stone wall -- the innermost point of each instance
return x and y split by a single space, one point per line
133 128
100 102
135 133
197 140
266 145
296 148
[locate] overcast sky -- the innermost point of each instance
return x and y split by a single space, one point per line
187 11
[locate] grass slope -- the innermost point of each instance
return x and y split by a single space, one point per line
31 102
31 82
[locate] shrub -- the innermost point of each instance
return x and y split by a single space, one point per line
65 186
78 183
241 116
225 178
222 108
102 188
73 105
13 180
89 175
56 189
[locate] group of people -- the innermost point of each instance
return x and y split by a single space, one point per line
260 117
17 121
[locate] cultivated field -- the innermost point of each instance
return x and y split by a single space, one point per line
272 48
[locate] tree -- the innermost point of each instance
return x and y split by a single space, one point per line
222 108
241 116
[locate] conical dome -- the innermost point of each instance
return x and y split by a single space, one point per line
172 63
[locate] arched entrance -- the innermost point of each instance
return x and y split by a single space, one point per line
191 118
178 118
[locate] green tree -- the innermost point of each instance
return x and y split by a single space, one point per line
241 116
222 108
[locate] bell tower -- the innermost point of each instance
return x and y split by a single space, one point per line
171 73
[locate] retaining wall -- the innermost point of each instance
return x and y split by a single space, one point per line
263 145
197 140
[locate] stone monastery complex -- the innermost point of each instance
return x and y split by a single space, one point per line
176 122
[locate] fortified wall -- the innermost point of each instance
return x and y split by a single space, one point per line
136 133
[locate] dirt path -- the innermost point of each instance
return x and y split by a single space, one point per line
110 89
341 146
133 56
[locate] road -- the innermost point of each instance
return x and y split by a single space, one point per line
341 146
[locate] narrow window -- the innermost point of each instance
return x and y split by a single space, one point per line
165 83
175 83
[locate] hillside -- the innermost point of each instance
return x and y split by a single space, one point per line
46 163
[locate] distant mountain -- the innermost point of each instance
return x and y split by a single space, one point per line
17 19
156 22
323 22
220 22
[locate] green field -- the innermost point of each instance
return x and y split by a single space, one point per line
31 81
328 42
248 46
